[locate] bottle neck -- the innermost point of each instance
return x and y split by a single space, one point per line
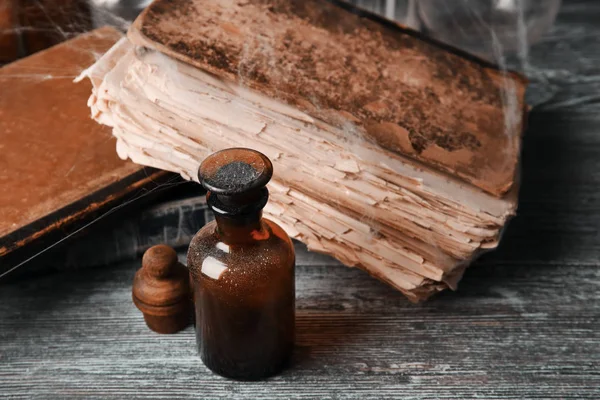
239 217
238 230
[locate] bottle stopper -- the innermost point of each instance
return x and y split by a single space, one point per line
235 180
161 290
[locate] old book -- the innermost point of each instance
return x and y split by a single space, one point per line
342 66
408 179
57 167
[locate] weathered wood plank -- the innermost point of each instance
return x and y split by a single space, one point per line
563 66
513 331
525 322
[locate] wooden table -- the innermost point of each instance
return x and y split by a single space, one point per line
524 324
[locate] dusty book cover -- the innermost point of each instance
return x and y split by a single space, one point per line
343 65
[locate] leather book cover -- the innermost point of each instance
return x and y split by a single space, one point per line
340 64
58 167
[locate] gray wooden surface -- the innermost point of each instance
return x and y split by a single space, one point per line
525 322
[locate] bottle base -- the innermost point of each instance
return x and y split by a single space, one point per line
255 373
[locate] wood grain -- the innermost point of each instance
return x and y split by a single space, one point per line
513 331
525 322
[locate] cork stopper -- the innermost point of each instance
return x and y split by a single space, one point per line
161 290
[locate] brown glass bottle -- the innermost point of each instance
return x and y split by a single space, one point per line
242 271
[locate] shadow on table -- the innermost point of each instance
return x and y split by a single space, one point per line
331 338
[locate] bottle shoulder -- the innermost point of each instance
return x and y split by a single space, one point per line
206 234
272 234
209 256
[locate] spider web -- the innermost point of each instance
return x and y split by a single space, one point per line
32 26
52 21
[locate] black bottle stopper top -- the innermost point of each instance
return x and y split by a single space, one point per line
236 179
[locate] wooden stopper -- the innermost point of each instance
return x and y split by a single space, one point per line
161 290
